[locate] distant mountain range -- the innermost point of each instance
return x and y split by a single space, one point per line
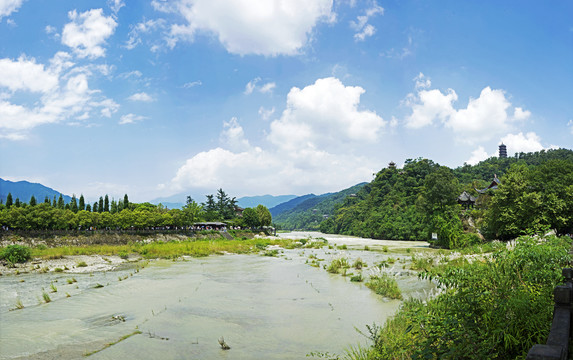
24 190
308 211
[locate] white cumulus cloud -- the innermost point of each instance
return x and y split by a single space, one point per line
38 94
309 145
130 119
7 7
26 75
516 143
142 96
87 32
478 155
483 119
324 114
261 27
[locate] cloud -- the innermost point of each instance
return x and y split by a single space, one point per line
520 114
45 94
115 5
7 7
130 119
361 26
570 124
252 86
192 84
243 27
266 114
478 155
313 143
144 27
142 96
324 112
233 136
483 119
268 87
26 75
87 32
517 143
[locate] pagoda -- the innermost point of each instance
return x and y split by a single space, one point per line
502 151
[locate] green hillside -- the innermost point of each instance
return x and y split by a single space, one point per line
310 213
536 194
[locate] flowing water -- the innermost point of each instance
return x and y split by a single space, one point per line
264 307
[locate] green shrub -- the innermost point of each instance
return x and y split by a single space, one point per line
82 264
123 254
357 278
16 254
337 265
385 285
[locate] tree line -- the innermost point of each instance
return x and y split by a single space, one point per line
412 203
76 214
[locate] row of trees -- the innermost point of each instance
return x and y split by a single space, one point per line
75 205
535 195
127 215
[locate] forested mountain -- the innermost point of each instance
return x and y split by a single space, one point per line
310 212
24 190
535 194
289 205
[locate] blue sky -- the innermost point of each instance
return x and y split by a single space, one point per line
156 98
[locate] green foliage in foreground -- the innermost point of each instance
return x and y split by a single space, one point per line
16 254
492 309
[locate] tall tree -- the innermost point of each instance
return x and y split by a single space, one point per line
100 205
9 201
32 201
191 211
251 217
113 207
95 208
82 205
210 208
54 202
125 202
265 217
61 205
88 208
17 203
106 203
47 200
74 204
222 204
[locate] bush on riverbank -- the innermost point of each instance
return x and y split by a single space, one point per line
16 254
495 308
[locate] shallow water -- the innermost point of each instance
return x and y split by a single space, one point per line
265 307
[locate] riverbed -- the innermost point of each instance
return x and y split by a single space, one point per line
265 307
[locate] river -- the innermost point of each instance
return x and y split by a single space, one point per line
264 307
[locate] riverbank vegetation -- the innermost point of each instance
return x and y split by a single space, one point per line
163 250
496 307
533 194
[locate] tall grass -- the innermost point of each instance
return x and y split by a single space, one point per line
166 250
385 285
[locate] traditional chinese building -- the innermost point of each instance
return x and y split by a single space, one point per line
502 151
